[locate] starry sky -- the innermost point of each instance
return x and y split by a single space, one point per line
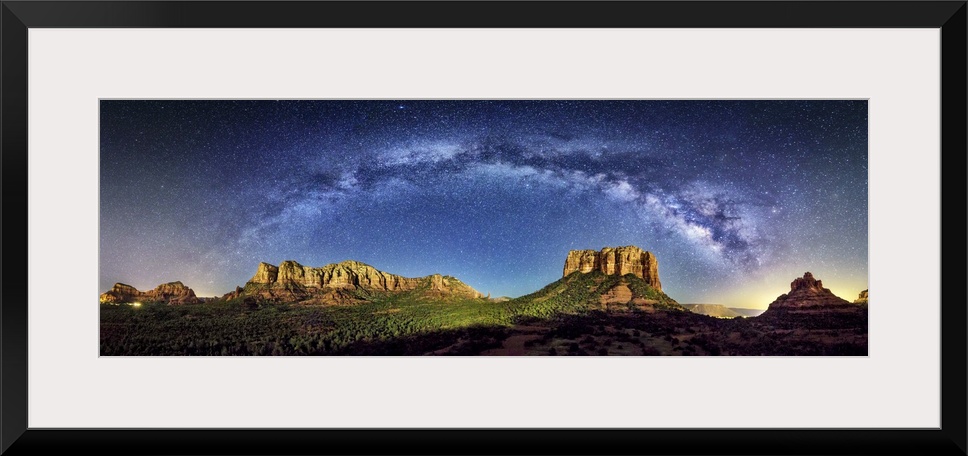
736 198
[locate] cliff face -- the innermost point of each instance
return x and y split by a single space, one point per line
348 274
807 292
171 293
712 310
266 273
808 297
861 298
616 261
335 283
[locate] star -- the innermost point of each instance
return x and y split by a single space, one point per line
728 194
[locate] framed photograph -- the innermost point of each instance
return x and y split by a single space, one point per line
333 190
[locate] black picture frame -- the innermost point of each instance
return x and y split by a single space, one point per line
18 16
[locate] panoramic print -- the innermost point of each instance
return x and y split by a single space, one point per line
483 227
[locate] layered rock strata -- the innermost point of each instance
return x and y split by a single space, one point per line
808 298
334 283
807 291
171 293
615 261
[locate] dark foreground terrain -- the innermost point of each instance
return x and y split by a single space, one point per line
582 314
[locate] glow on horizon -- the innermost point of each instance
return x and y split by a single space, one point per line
736 198
761 293
758 295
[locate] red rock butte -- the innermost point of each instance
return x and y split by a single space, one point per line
348 274
171 293
293 282
807 292
616 261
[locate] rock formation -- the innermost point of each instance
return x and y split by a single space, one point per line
861 298
712 310
807 292
171 293
336 283
621 298
616 261
808 297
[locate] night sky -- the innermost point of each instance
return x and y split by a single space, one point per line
735 198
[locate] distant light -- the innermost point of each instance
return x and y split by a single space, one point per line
136 304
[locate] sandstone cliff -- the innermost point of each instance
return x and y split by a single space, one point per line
171 293
712 310
861 298
615 261
807 292
338 283
808 297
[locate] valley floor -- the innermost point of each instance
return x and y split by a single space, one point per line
463 328
661 333
581 314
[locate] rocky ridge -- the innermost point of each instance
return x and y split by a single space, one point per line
807 291
807 296
712 310
615 261
341 283
170 293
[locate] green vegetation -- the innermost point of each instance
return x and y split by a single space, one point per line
564 318
573 294
387 325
